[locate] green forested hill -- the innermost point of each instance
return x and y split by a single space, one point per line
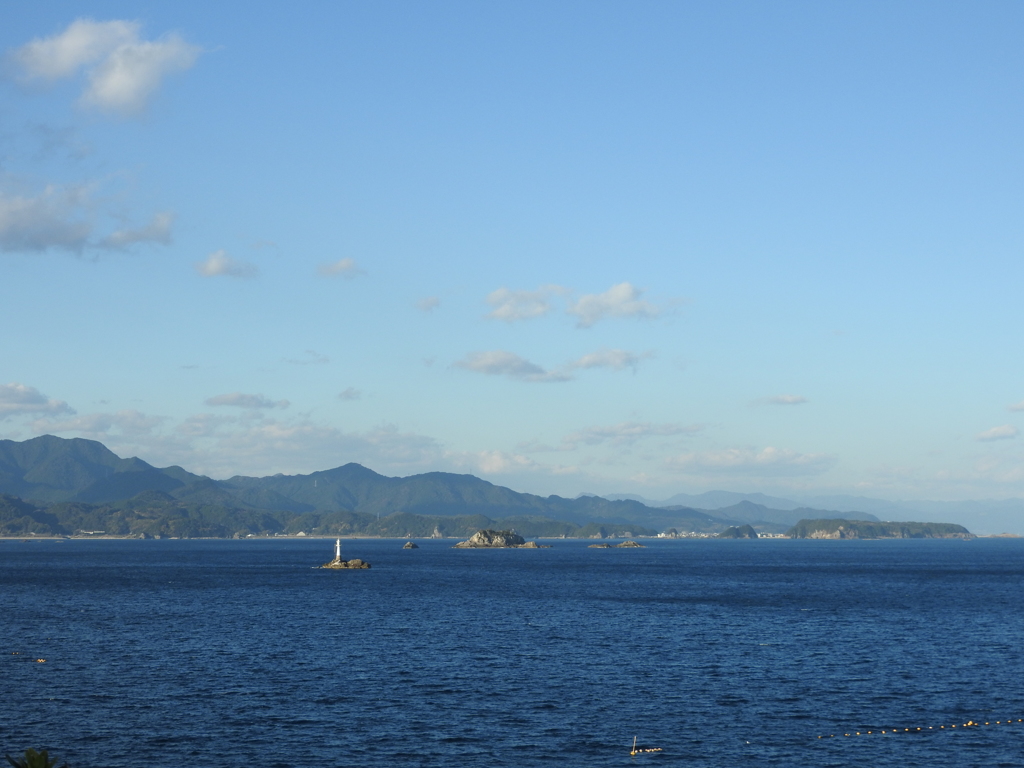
51 469
154 513
53 485
47 470
856 529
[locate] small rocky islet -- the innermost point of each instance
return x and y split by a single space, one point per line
338 563
627 544
488 539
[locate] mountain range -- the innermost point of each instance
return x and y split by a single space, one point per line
56 483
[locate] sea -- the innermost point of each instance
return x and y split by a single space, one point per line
169 653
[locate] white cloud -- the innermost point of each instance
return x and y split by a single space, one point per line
783 400
501 363
219 263
203 424
350 393
622 300
18 399
345 267
628 432
125 80
1005 432
242 400
616 359
521 305
428 304
54 219
129 423
124 70
749 461
495 462
84 42
312 357
157 231
501 462
1016 406
270 446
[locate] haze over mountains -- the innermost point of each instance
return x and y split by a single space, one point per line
49 470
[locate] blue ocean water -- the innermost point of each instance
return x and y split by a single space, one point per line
722 653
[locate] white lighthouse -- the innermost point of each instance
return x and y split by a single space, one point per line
337 550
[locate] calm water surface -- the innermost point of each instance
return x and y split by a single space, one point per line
723 653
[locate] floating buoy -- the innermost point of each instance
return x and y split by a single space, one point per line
640 750
968 724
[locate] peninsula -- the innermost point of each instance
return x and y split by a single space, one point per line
839 528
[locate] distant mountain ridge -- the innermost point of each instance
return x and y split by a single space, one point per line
50 470
53 470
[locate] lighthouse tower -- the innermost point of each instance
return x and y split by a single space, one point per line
337 550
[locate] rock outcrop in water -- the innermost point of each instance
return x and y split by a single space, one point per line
411 545
337 563
488 539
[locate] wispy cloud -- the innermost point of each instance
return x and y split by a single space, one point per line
502 363
767 462
18 399
95 426
622 300
61 218
242 400
270 446
350 393
123 70
57 218
1005 432
203 424
158 230
346 268
616 359
1016 406
428 304
219 264
310 357
628 432
511 305
782 400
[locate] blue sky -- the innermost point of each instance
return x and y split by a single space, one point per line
605 247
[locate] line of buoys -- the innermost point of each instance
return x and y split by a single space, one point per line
640 750
922 729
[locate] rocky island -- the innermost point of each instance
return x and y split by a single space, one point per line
488 539
355 563
338 563
627 544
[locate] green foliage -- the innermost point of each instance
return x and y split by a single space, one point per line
33 759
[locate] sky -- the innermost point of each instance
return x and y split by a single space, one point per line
568 247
